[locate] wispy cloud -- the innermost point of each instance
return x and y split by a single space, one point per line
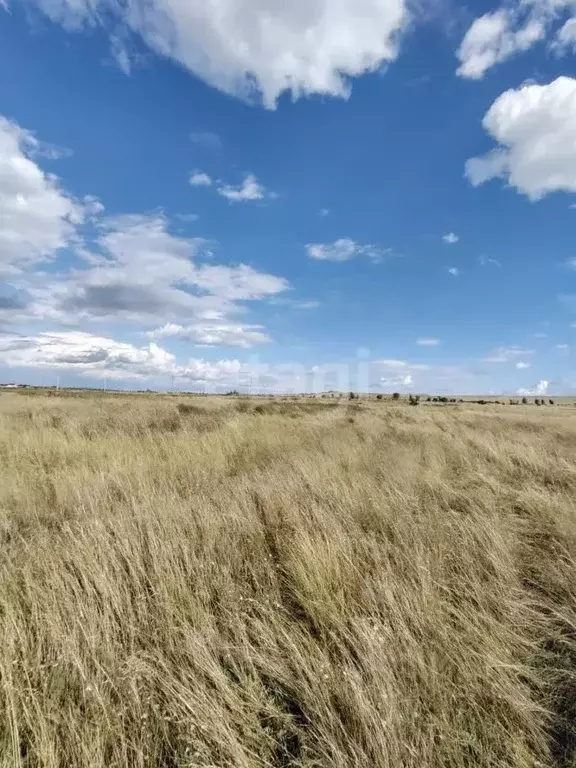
450 238
428 342
206 139
486 261
454 271
345 249
507 354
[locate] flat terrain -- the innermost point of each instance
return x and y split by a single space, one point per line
310 584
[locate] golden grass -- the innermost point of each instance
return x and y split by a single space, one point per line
213 582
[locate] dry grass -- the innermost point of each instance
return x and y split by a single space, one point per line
203 582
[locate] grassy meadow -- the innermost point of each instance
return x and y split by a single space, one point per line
244 583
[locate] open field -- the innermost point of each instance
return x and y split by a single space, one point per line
221 582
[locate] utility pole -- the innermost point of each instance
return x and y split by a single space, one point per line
57 383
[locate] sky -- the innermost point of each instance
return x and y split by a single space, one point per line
376 195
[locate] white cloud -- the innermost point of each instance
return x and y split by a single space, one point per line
566 37
450 238
428 342
251 47
37 218
142 273
497 36
520 366
403 382
250 189
401 365
214 334
397 373
562 346
103 357
539 389
454 271
200 179
507 354
324 212
534 127
344 250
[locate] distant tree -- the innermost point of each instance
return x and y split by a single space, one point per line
378 397
396 396
524 401
428 399
551 402
539 402
352 396
414 399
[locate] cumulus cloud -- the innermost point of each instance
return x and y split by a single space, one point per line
520 365
137 271
344 250
214 334
534 127
255 48
397 374
200 179
538 389
37 217
102 357
454 271
249 190
450 238
428 342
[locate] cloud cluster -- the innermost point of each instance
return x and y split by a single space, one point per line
254 48
128 269
534 127
139 272
100 357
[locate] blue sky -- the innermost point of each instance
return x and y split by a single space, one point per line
288 196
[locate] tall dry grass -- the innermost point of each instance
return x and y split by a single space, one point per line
214 583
